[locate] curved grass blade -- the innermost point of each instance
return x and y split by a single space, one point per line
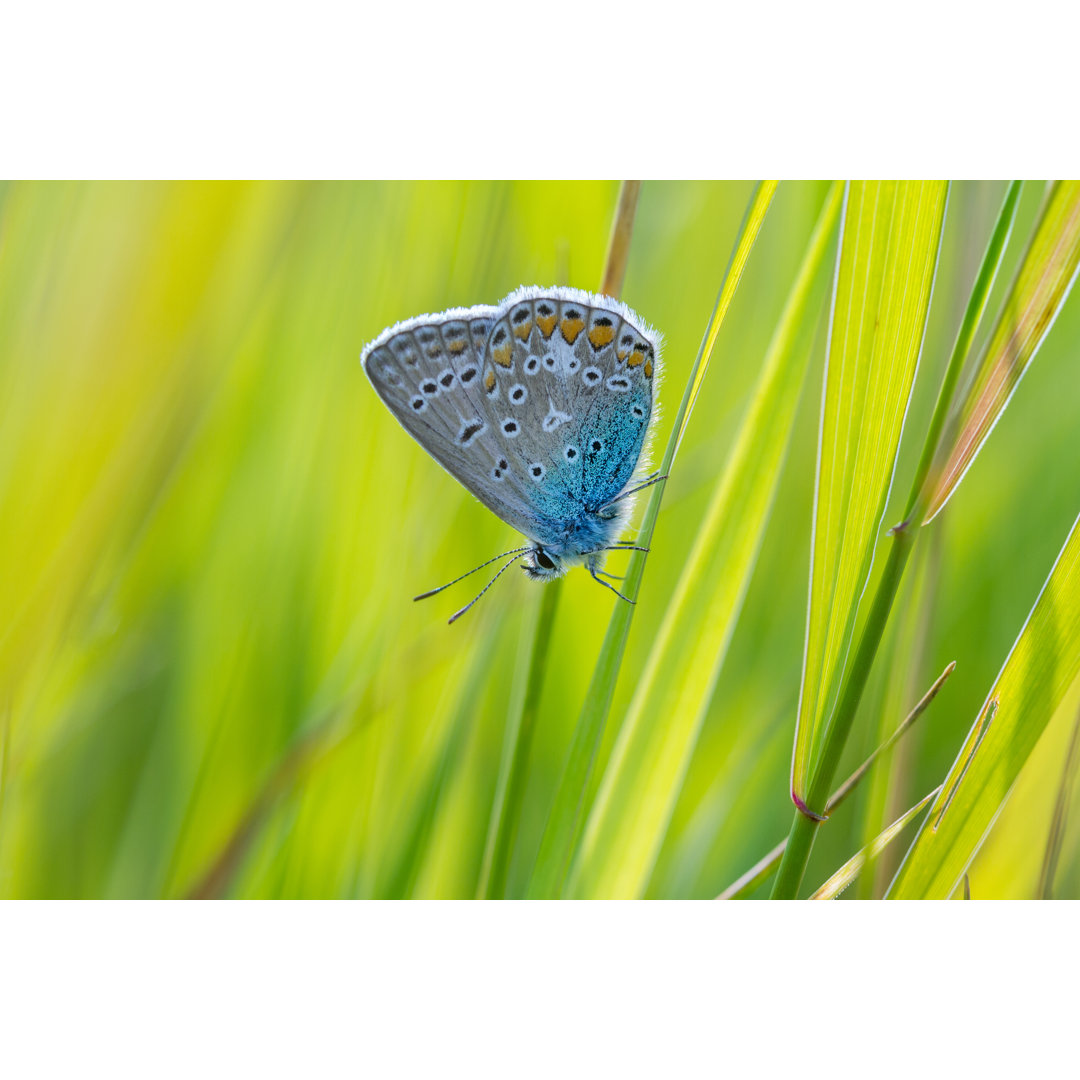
885 275
853 867
559 837
1042 283
1043 664
637 795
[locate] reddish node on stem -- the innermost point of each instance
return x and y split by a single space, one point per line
805 810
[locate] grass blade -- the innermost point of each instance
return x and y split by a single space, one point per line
622 228
1061 811
510 787
557 846
973 313
885 275
851 688
1041 667
853 867
1043 281
634 804
513 770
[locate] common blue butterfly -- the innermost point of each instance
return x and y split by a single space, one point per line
541 406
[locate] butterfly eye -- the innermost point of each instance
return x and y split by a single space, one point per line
543 560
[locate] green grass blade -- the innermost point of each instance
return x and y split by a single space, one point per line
561 831
637 795
853 867
973 313
1042 666
885 275
513 769
510 787
1042 283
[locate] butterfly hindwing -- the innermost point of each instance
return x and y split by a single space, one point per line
587 366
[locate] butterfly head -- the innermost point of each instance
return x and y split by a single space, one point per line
543 565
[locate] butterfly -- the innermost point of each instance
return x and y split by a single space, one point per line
541 406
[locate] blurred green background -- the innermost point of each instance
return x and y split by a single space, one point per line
213 680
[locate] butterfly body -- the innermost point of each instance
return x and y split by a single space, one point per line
540 406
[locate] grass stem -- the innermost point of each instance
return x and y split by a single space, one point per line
761 869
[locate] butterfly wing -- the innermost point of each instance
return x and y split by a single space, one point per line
432 374
539 406
579 374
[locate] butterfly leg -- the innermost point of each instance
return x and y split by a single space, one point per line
606 585
647 482
614 577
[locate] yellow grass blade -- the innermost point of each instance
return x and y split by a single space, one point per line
853 867
557 846
643 780
885 275
1040 287
1042 666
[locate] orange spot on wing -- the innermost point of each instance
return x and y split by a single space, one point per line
599 336
456 348
489 380
571 328
501 355
522 330
636 357
546 324
648 369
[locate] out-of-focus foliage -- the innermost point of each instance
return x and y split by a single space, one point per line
212 676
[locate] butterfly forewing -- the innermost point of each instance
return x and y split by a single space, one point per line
433 379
